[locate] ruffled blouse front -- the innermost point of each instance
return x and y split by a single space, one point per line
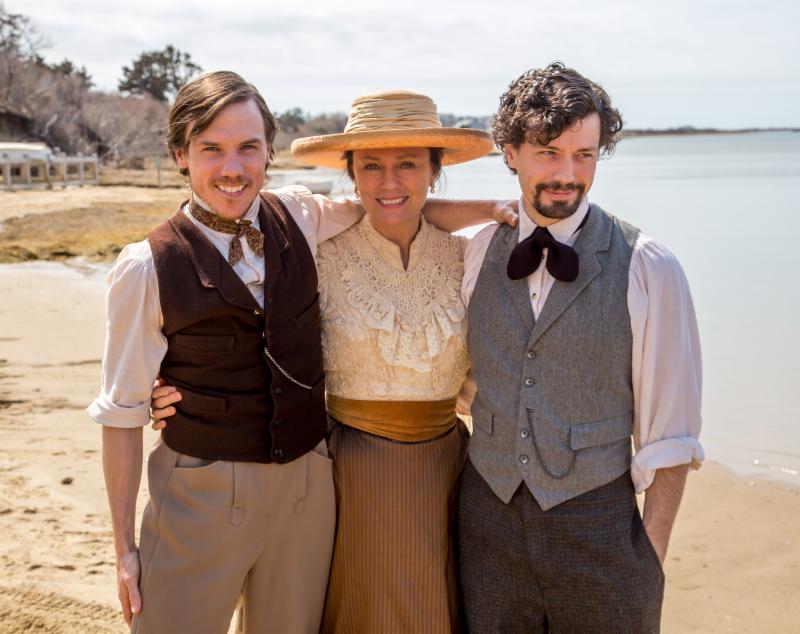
390 333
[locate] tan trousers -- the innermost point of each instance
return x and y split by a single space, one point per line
215 531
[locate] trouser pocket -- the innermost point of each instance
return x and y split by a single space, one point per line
239 492
308 466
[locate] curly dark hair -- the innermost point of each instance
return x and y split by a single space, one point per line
543 102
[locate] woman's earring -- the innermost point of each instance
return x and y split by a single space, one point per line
355 189
433 188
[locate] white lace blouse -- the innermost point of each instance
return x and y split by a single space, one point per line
390 333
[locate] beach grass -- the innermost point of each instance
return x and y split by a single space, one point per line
94 231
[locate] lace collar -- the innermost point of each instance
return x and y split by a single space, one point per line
389 252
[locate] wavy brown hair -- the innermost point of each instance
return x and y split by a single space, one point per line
202 99
543 102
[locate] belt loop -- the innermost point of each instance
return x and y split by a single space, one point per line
239 492
302 483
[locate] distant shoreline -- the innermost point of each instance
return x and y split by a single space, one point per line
688 130
683 131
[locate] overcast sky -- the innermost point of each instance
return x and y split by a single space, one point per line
721 63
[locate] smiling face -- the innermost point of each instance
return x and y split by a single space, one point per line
227 160
393 184
555 177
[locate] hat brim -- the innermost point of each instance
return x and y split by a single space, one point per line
459 144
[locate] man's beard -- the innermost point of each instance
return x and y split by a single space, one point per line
560 208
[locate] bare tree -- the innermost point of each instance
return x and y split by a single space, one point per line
58 105
128 126
19 42
293 124
291 120
18 34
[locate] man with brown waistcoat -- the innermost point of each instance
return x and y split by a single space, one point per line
221 301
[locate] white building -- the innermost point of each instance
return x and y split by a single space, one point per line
29 165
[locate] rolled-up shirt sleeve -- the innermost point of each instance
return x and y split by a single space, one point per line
318 217
667 369
135 345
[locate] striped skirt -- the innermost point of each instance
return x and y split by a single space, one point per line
393 562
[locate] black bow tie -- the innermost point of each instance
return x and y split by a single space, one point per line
562 261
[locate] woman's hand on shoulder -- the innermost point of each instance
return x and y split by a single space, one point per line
507 212
161 403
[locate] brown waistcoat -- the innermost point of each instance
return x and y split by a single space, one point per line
236 405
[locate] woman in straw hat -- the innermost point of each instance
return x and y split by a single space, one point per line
395 352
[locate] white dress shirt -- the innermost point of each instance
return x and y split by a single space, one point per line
135 344
667 371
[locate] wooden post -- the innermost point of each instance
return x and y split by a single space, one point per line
26 170
38 171
47 173
7 171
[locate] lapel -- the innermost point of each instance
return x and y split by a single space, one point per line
276 243
517 289
594 238
212 269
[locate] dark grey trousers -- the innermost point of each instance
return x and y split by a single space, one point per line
585 565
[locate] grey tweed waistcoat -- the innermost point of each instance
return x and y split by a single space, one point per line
554 406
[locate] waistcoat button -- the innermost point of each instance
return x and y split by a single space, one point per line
529 381
523 433
278 391
278 453
277 422
531 354
523 459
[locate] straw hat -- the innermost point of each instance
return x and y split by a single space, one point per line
393 119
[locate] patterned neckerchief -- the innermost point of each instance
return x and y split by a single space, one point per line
239 228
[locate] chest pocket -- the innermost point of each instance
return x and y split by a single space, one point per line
205 343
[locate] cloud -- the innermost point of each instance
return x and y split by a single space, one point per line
319 55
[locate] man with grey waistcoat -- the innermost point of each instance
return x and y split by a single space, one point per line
582 335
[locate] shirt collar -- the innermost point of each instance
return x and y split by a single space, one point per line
562 230
251 215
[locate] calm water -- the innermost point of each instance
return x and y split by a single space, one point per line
726 205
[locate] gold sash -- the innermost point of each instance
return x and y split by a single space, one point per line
406 421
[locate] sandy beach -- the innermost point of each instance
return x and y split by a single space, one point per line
732 567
